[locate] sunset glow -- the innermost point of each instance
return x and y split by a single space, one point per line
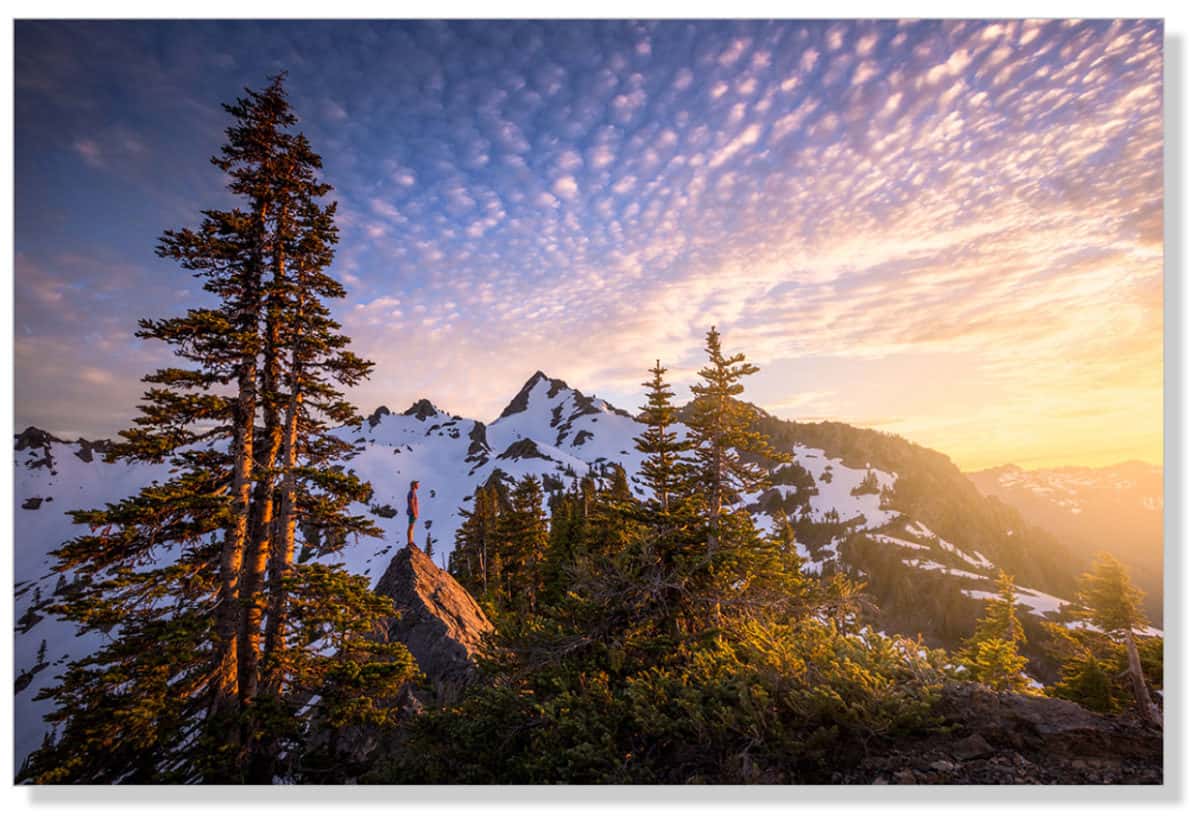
947 230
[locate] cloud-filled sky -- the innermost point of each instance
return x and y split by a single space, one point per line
947 230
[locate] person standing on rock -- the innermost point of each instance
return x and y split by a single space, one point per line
414 510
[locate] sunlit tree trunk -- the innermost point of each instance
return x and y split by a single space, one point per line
1141 694
258 548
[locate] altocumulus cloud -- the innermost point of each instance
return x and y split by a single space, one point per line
586 197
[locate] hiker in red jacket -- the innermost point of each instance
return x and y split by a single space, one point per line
414 510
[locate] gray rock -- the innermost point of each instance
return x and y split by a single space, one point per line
440 623
972 747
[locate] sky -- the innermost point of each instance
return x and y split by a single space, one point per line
948 230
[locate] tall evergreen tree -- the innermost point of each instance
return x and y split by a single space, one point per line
231 251
474 560
301 238
662 469
174 577
721 437
1110 601
566 543
522 539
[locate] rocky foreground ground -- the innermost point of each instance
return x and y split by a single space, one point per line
1018 739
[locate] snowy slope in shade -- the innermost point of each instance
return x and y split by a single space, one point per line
64 480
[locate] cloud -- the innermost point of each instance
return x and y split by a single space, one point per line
90 151
863 72
733 52
749 136
566 187
526 194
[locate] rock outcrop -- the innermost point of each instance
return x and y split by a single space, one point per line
440 623
998 738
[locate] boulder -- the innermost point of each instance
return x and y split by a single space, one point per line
440 623
971 747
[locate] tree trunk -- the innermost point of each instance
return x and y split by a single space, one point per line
284 546
1141 694
664 456
258 548
233 550
714 502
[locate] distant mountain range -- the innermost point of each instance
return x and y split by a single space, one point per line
927 538
1117 509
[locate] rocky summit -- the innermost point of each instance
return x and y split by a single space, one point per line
440 623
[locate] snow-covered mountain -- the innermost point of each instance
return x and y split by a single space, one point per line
901 515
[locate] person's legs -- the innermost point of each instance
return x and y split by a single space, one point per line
412 522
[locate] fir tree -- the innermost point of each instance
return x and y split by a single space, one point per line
473 562
522 539
992 654
1087 680
721 437
295 322
1110 601
566 543
1000 619
175 576
785 533
663 468
997 663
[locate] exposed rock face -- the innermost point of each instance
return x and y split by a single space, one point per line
421 410
34 440
1008 738
380 411
440 622
477 452
524 448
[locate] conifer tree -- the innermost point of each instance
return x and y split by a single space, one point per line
615 518
473 562
662 469
785 533
992 654
997 663
175 575
1087 681
231 251
1000 619
566 544
721 437
1110 601
295 326
522 539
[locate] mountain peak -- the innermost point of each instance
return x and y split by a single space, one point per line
380 411
422 409
520 402
33 437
